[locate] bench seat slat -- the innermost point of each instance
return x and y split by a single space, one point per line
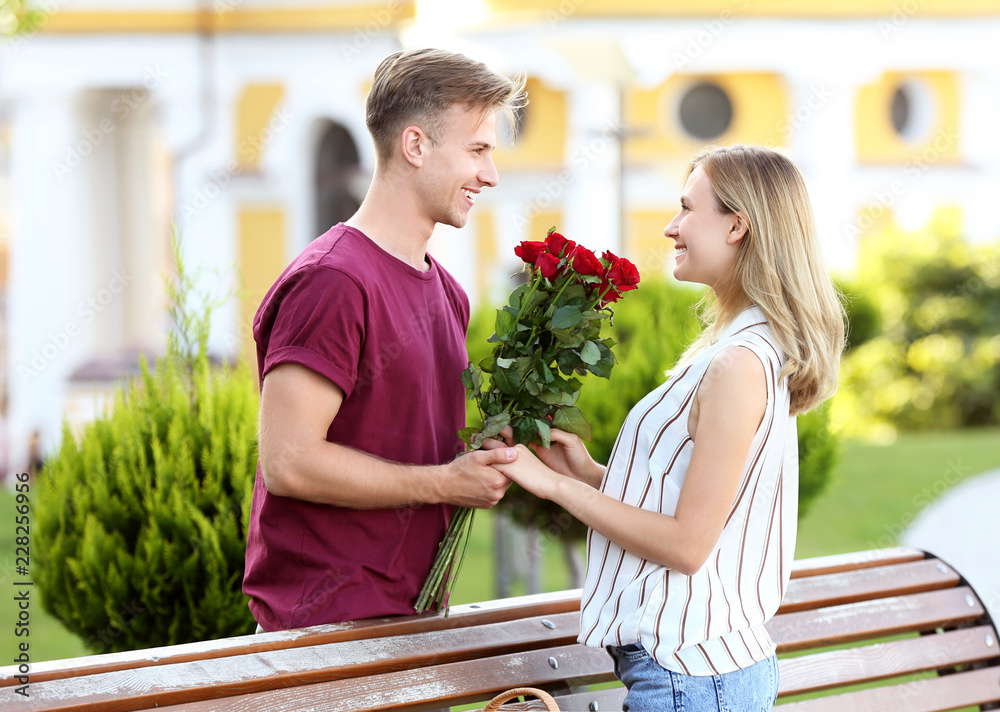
865 584
451 683
208 679
934 694
871 619
884 660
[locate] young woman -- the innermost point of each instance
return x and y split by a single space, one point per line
692 522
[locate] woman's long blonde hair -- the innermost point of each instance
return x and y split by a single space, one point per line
779 268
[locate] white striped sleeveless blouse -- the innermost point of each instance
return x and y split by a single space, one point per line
713 621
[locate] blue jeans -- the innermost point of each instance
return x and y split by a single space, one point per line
651 688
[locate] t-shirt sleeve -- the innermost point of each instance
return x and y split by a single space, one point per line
319 323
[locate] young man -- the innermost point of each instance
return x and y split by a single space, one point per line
360 349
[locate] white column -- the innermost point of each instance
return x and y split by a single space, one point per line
591 202
54 275
822 141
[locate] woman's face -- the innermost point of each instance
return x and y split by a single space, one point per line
706 240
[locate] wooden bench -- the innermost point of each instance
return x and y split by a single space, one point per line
898 618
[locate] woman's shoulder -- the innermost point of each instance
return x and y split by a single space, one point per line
752 330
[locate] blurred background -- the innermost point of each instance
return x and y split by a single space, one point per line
241 124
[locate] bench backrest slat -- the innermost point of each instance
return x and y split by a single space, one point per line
837 668
933 694
864 584
836 563
870 619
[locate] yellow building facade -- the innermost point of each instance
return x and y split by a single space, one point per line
241 122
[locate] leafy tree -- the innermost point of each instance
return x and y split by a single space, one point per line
934 358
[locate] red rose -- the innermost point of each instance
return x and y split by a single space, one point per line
529 250
610 257
548 265
610 293
585 262
624 275
559 245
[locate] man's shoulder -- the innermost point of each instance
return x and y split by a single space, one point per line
341 248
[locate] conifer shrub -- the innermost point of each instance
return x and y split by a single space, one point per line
140 520
651 330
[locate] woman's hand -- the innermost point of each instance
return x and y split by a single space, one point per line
567 455
531 473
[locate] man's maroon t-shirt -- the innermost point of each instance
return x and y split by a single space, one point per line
393 339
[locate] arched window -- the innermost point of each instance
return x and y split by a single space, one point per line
339 188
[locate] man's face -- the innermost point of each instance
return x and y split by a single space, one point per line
459 165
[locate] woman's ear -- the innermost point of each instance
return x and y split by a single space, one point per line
739 228
413 142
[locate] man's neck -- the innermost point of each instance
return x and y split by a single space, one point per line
388 216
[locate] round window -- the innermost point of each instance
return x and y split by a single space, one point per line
705 111
912 110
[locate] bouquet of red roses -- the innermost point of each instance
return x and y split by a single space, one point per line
546 336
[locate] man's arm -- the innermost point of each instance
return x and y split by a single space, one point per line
297 406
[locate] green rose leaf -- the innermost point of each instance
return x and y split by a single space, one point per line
518 294
567 337
566 316
544 432
507 380
524 429
494 424
569 361
506 324
589 353
571 420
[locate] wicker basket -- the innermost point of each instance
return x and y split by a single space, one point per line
545 697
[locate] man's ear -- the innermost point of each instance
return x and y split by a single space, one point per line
413 142
739 228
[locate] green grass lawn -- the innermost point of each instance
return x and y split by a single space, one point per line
877 490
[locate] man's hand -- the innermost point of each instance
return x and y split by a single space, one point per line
567 455
471 481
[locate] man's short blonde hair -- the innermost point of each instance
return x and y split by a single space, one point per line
417 86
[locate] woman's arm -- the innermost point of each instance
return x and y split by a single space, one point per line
731 400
